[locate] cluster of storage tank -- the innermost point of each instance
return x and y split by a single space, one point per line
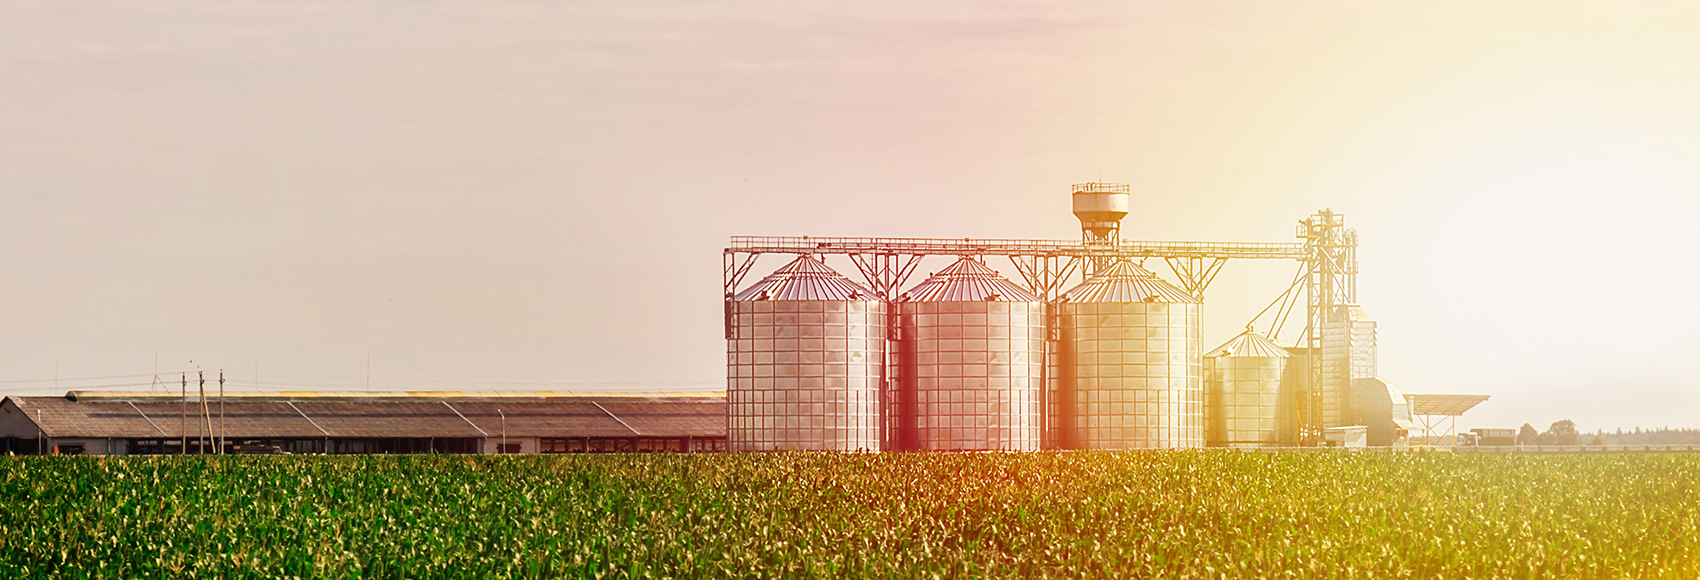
968 349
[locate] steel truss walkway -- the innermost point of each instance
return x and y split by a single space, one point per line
1328 258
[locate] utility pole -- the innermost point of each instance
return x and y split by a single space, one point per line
39 434
183 421
206 411
221 410
504 447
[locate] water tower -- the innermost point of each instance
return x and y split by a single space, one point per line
1100 207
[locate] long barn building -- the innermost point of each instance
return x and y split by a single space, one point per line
96 423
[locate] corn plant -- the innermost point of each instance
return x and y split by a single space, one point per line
811 515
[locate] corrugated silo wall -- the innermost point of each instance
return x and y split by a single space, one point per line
970 375
1295 382
1338 408
1056 380
1131 376
1245 400
805 374
1348 353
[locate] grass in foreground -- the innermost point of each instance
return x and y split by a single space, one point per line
1082 515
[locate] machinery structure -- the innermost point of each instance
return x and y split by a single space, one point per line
1437 415
1326 256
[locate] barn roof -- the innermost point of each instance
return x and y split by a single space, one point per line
82 415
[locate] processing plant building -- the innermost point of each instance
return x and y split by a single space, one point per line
1087 350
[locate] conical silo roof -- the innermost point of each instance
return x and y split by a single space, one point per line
1125 281
967 281
805 278
1250 344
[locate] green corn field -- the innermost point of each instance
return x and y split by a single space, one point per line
811 515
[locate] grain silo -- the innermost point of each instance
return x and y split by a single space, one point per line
1247 396
1348 354
1130 366
804 363
973 347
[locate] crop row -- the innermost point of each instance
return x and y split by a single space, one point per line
1073 515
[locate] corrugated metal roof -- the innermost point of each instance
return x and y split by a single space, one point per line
668 419
967 281
385 419
1125 281
1250 344
299 395
545 419
1443 404
443 417
805 278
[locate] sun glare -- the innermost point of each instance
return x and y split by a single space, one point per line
1556 257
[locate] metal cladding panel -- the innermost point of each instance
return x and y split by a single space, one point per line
356 419
1100 205
1443 404
541 418
61 418
1348 353
805 278
268 419
972 375
1125 281
1246 402
967 281
661 416
1132 377
1384 410
805 374
670 418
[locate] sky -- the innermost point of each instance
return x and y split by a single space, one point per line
527 194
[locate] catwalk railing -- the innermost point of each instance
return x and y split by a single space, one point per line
1007 247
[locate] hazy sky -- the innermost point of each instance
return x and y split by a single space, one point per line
539 191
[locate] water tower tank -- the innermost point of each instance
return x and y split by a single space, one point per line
1100 207
971 359
1245 404
1130 367
805 363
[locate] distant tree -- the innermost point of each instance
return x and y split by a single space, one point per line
1565 432
1527 435
1597 440
1547 439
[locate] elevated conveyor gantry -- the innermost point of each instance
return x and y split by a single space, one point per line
1327 256
886 263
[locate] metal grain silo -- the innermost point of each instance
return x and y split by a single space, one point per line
1130 363
805 362
1348 354
1246 402
973 346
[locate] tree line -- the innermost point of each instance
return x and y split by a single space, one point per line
1564 432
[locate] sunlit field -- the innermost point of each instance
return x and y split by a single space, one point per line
1079 515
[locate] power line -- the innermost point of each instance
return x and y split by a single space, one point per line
18 381
342 382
